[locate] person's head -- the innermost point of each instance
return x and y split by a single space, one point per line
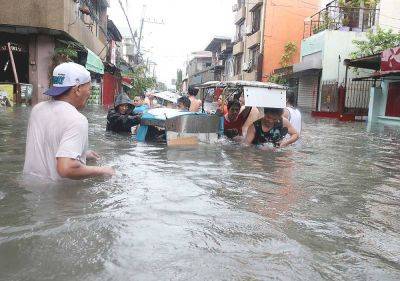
233 109
219 101
71 83
192 91
272 115
184 103
123 103
137 101
239 95
290 98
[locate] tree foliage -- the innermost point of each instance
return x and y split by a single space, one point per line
288 55
140 81
376 42
358 3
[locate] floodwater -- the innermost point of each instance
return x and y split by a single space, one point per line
328 209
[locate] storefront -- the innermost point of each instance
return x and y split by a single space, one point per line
384 105
14 71
96 67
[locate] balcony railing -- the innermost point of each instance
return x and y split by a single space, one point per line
337 17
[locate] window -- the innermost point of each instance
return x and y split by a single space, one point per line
241 3
256 19
254 53
240 31
238 64
208 64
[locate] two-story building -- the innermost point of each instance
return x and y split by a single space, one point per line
36 29
328 40
196 68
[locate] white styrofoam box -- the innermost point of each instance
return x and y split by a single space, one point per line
264 97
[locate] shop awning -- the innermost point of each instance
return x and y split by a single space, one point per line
393 74
127 82
94 63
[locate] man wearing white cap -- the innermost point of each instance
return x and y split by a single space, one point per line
57 140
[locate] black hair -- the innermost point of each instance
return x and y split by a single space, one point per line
185 101
291 98
192 91
273 111
233 103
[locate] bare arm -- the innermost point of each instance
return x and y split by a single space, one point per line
294 135
286 113
75 170
251 133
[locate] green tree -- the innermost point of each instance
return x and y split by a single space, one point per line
357 3
288 55
140 81
376 42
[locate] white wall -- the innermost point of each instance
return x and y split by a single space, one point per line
389 16
338 43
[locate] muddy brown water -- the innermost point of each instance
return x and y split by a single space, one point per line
328 209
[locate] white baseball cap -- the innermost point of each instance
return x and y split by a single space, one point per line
66 76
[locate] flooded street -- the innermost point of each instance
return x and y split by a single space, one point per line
328 209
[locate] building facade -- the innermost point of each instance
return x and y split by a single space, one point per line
247 43
263 28
197 68
384 102
284 24
328 41
36 28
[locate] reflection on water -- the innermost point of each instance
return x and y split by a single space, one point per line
325 210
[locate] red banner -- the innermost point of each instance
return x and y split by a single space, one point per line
390 59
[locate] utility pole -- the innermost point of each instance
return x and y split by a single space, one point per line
143 21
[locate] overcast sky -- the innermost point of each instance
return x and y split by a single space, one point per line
189 25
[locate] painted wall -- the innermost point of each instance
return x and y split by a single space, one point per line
377 106
313 44
338 43
284 22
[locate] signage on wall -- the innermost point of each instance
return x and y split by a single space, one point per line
14 48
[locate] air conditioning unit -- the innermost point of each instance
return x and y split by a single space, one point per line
247 66
249 30
235 8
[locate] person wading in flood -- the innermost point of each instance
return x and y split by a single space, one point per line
57 139
195 104
291 113
122 118
272 128
234 120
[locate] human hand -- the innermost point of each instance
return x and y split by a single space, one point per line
91 155
282 144
107 171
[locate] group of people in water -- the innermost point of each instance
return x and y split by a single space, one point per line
278 126
57 138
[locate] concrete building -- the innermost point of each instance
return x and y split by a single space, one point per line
284 23
263 28
247 57
196 68
36 27
328 41
127 50
222 59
